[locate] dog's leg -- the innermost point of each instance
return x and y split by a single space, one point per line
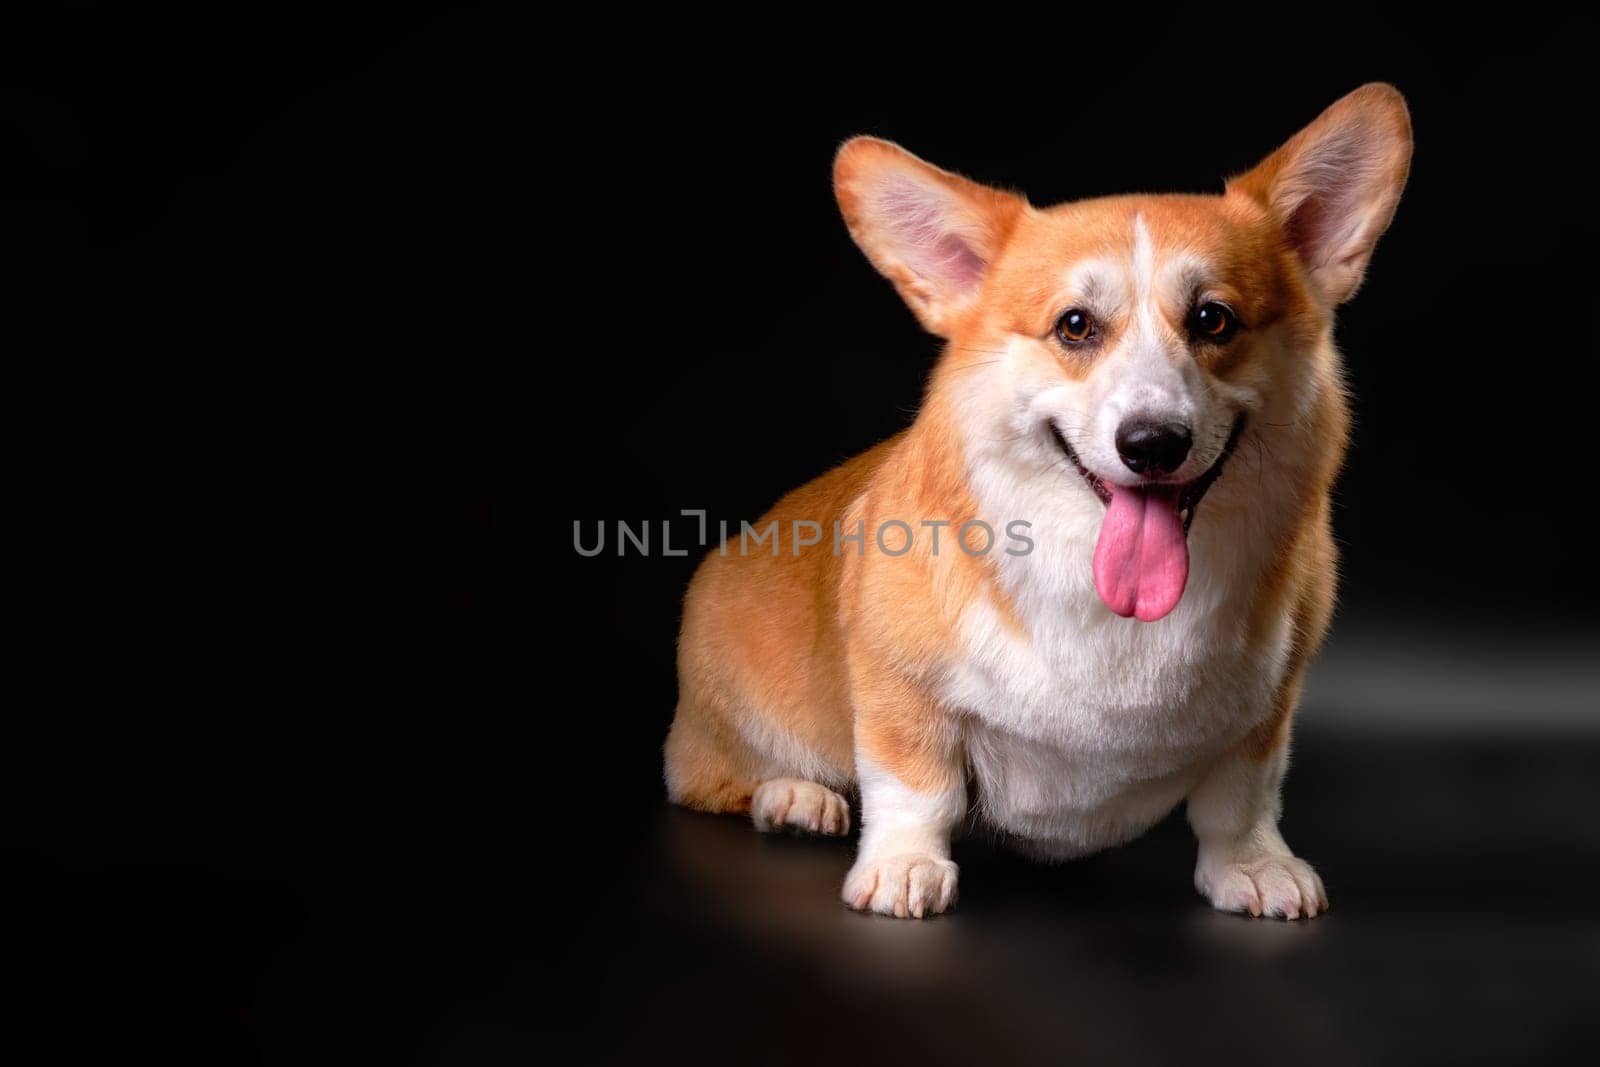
1244 864
913 793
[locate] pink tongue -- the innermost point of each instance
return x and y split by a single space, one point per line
1141 561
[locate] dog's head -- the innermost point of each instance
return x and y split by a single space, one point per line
1130 339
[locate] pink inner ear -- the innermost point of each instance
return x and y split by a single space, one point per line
1337 180
926 230
963 266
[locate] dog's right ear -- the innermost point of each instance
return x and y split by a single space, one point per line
932 233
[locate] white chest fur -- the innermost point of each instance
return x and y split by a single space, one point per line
1082 728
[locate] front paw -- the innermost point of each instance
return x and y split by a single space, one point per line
912 885
1276 886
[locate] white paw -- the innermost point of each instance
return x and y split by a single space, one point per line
799 804
905 886
1276 886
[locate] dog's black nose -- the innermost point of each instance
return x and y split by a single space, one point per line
1153 447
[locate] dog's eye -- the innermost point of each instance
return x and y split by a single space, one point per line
1074 326
1212 322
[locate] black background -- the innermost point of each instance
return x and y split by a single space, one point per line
328 327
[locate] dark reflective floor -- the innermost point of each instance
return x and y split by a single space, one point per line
1465 927
454 927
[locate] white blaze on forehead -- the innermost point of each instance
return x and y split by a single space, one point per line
1145 303
1144 262
1175 275
1150 374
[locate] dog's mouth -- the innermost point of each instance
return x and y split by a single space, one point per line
1094 480
1141 561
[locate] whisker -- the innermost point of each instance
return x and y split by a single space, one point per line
976 366
1061 462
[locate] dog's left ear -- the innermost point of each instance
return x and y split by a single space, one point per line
1335 184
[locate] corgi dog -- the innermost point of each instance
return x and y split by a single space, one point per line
1145 392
